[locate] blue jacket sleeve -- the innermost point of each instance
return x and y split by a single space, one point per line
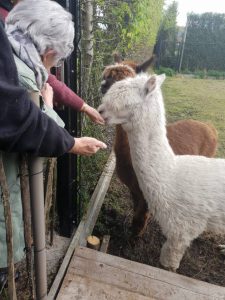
23 127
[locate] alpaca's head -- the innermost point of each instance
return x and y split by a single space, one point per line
138 68
118 60
123 69
115 73
131 99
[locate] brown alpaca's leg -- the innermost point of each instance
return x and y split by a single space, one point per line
127 175
141 213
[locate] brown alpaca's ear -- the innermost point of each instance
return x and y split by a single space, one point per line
145 65
117 57
150 84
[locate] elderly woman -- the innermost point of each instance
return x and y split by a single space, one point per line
41 34
62 94
39 42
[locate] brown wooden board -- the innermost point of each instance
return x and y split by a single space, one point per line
87 223
105 243
94 290
105 276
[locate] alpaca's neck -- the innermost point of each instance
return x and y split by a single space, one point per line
152 160
152 156
147 146
148 136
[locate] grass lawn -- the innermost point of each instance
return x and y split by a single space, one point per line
198 99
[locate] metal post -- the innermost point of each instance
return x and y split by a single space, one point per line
35 166
182 50
38 222
67 165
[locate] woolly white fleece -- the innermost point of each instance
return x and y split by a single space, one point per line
186 194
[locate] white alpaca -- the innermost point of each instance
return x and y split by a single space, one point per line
186 194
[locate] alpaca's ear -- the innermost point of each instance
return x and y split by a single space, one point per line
145 65
117 57
150 84
160 79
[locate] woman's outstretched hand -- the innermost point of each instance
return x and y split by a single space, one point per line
87 146
93 114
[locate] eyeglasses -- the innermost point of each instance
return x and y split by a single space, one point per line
60 62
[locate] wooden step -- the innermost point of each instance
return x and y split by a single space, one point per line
95 275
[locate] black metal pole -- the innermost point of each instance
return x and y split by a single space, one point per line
67 174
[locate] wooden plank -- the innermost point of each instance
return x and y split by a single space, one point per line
98 198
131 281
105 243
87 223
120 264
82 288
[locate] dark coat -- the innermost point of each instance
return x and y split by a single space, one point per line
6 4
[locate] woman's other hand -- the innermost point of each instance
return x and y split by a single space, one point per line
93 114
47 94
87 146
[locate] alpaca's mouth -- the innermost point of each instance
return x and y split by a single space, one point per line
106 120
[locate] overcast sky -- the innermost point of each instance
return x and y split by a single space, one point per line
197 6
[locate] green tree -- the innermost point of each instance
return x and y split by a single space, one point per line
205 42
127 26
142 28
166 45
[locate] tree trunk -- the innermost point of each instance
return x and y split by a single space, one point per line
87 43
25 195
9 232
49 175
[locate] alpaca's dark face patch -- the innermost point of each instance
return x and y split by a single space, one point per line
106 84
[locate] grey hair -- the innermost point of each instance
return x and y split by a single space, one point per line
47 23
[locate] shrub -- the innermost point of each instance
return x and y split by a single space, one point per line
168 71
216 74
200 74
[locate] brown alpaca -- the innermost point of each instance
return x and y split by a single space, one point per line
185 137
138 68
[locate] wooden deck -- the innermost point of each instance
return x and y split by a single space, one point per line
88 274
96 276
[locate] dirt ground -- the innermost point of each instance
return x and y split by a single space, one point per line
55 254
201 261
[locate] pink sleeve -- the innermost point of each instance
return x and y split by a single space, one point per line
64 95
3 13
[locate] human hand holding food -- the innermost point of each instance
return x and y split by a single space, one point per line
87 146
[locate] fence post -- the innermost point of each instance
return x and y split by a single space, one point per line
35 167
183 46
38 223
